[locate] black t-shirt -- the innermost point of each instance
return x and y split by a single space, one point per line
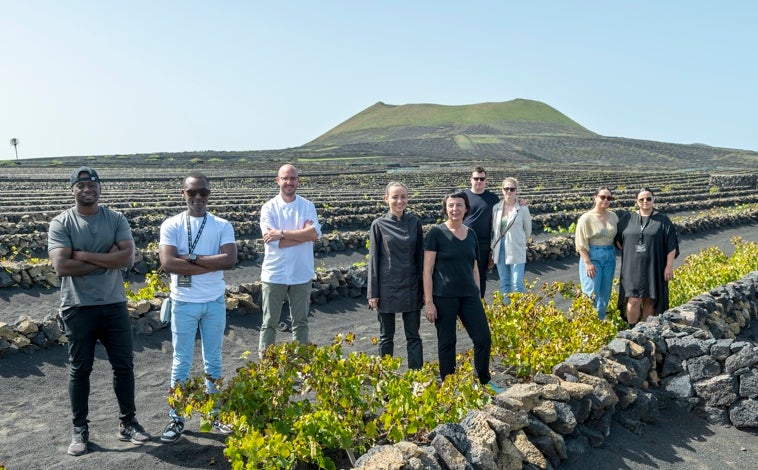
453 274
479 217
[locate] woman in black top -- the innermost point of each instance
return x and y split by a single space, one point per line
451 288
648 243
396 254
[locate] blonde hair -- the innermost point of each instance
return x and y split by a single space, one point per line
392 184
511 180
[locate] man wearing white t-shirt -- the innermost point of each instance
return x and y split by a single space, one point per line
289 225
195 248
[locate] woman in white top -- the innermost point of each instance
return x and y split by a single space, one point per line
595 231
511 228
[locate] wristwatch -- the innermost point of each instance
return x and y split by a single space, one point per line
281 234
192 258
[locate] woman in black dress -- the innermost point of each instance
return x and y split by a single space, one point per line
648 243
396 254
451 288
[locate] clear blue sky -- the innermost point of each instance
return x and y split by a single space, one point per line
116 77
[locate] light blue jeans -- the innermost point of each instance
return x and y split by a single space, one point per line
604 259
511 275
186 318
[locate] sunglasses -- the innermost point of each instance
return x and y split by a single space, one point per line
194 192
605 198
645 199
509 189
478 178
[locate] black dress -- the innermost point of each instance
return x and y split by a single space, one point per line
645 244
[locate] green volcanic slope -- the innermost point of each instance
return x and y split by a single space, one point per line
518 131
517 116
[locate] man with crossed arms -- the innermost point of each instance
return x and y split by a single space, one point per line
289 224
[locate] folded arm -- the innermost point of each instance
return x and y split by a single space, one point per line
288 238
68 262
174 263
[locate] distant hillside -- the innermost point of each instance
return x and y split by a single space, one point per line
519 131
382 122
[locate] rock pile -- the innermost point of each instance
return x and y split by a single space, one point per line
27 335
28 235
689 356
733 181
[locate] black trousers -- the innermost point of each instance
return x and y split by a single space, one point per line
471 312
484 256
411 324
110 324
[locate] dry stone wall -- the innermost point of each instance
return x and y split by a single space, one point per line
733 181
689 356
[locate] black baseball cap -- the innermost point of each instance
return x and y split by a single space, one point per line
84 169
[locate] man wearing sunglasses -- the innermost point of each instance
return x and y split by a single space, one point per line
479 219
195 248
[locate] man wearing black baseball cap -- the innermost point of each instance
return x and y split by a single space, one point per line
77 176
88 245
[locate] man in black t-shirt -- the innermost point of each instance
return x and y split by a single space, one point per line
479 219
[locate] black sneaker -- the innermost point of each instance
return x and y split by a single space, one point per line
79 440
173 431
132 431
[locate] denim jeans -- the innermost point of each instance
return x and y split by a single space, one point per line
471 312
272 298
186 318
511 275
411 324
604 259
84 327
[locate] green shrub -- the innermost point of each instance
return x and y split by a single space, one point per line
155 284
299 400
531 335
711 268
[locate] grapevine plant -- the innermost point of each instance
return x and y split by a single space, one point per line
300 401
710 268
154 283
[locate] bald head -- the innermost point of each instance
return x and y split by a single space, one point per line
287 179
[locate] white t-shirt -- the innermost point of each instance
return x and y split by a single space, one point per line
217 232
294 264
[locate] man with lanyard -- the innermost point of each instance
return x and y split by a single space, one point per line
195 248
88 245
289 224
479 219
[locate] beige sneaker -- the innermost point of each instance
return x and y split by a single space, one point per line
79 440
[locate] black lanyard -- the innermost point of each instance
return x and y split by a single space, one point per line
643 227
193 244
